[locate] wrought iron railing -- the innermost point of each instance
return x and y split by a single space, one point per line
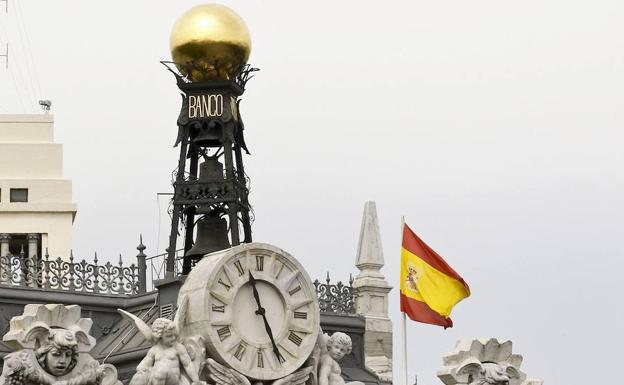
157 266
116 279
69 275
335 298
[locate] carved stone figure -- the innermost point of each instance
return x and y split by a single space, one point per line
336 347
483 362
51 344
167 357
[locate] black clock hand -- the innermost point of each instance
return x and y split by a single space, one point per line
252 280
262 312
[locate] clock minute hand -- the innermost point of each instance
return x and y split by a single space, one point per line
270 333
262 312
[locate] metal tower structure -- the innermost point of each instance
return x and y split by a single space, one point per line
210 185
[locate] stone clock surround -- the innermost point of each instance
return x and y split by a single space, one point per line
219 292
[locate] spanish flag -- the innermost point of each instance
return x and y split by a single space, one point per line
429 286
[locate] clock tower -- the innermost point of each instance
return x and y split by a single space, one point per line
210 45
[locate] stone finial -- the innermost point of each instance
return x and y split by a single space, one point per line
369 257
483 362
371 297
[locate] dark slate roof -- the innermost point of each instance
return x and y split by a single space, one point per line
124 338
358 374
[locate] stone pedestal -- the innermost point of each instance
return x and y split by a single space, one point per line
371 297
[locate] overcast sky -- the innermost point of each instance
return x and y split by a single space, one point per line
494 127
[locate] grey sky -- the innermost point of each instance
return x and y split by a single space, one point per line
495 127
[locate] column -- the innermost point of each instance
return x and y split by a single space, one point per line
32 258
4 252
4 244
33 243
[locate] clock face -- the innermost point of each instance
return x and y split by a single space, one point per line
237 331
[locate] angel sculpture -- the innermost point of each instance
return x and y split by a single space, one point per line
333 349
161 365
222 375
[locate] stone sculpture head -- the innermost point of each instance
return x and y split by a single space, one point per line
339 345
494 374
164 331
60 354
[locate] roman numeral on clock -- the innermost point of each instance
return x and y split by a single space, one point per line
279 271
295 338
240 350
260 359
295 290
227 287
224 332
239 267
298 314
260 262
218 308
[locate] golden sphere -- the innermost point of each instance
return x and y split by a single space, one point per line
209 42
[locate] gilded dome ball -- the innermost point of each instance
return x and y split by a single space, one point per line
209 42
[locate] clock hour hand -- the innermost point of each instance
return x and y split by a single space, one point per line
261 312
252 281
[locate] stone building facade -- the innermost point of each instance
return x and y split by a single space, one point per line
36 208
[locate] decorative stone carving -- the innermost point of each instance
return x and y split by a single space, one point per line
51 344
168 361
371 297
483 362
332 350
222 375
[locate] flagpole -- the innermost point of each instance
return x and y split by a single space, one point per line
404 323
404 350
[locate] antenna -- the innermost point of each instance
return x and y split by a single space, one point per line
6 55
45 105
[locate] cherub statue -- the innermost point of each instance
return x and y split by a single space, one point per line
51 344
222 375
333 349
161 365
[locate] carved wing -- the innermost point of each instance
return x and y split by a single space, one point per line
138 323
180 316
319 350
297 378
470 370
222 375
40 332
108 374
511 371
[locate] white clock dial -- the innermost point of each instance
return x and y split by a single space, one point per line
232 320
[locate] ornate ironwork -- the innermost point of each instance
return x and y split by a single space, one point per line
67 275
335 299
156 266
209 181
240 75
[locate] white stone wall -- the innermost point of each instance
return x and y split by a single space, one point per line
30 159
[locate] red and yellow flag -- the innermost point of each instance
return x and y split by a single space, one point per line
429 286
